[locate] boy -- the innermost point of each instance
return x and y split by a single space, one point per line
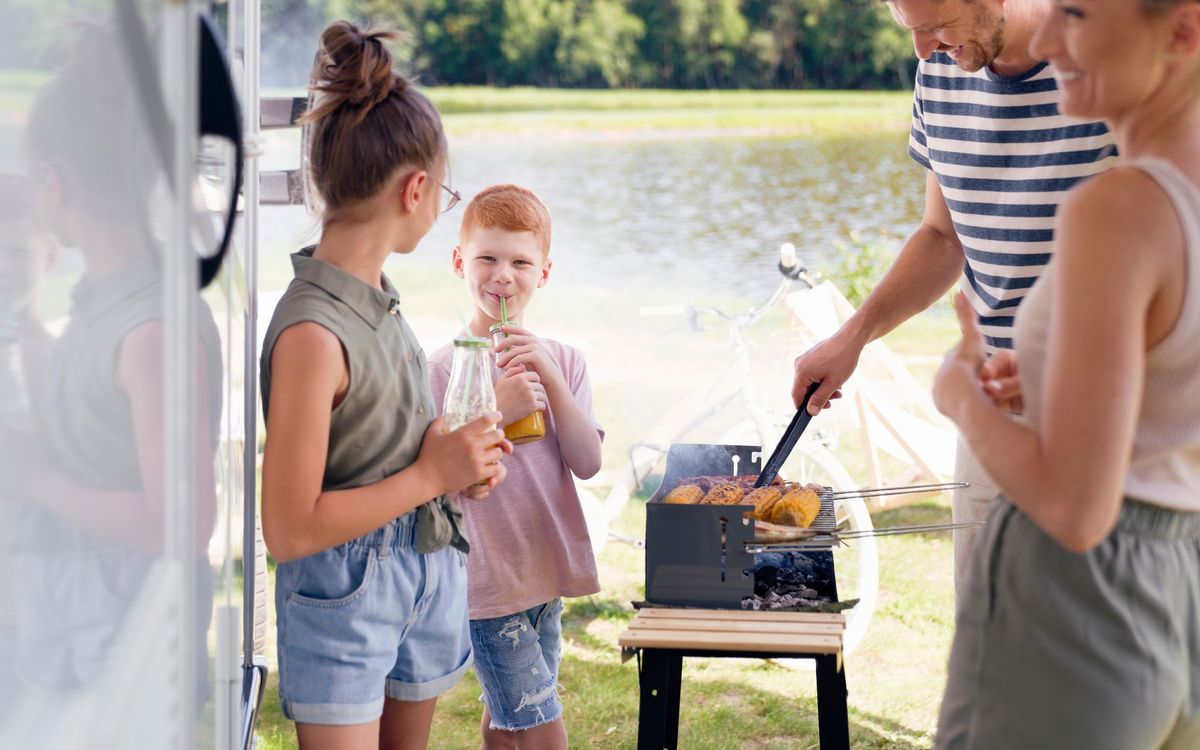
529 542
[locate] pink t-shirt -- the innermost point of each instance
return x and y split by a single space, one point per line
529 541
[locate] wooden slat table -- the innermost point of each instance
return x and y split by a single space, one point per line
665 636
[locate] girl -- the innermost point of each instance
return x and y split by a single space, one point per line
370 587
1080 624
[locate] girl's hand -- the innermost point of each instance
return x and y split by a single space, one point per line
957 380
521 347
476 491
519 393
1002 382
456 460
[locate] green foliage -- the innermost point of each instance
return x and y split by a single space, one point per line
863 264
599 47
614 43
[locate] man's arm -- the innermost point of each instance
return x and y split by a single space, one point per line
928 265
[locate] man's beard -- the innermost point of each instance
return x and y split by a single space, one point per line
988 48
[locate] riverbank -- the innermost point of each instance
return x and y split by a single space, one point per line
476 112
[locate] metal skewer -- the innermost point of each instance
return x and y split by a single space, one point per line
905 490
827 539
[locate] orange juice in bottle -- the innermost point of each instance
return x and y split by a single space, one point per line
527 429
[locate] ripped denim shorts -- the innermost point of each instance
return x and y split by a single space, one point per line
516 660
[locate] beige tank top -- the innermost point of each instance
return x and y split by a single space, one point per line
1165 465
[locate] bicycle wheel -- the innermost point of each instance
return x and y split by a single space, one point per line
856 563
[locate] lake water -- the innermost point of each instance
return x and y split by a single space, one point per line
708 213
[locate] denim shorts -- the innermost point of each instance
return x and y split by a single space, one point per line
516 660
369 618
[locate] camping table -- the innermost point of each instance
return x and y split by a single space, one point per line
665 635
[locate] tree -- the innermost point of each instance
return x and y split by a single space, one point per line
600 45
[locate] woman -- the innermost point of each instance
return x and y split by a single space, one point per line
1080 627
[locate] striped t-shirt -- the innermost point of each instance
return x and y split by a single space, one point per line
1004 158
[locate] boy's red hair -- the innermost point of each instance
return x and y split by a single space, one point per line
508 207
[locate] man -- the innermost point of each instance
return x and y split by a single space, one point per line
999 158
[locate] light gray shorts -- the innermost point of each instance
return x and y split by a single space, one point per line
1059 650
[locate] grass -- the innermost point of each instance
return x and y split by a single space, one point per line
480 112
895 678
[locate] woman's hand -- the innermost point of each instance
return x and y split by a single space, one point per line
454 461
1002 382
958 379
519 393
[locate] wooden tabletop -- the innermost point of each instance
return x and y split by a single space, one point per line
735 630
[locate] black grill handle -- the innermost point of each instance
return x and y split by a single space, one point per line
788 441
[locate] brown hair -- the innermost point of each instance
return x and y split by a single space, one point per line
509 207
364 120
86 122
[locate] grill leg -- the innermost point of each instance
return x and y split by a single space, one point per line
674 685
658 711
832 718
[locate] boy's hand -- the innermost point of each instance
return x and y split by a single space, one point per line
521 347
519 393
456 460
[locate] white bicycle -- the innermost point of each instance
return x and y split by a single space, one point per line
702 416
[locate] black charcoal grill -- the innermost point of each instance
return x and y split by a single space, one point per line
696 554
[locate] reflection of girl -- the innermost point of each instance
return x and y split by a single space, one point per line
1080 627
371 587
25 253
94 472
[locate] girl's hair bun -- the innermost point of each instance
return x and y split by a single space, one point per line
364 121
353 68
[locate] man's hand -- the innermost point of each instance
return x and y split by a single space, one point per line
519 393
829 363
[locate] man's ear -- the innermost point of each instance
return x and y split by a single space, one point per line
545 273
1184 41
456 261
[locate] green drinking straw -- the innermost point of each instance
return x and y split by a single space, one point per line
503 312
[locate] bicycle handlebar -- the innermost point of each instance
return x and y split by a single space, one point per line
789 267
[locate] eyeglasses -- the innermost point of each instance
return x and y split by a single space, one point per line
454 196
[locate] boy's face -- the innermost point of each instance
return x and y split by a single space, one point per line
498 263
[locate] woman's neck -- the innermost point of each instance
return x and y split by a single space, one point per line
359 249
1167 125
109 246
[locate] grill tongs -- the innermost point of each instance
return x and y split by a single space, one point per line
823 537
788 441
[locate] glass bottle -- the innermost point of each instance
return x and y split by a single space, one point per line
469 394
530 428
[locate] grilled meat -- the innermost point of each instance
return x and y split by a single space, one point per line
745 481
